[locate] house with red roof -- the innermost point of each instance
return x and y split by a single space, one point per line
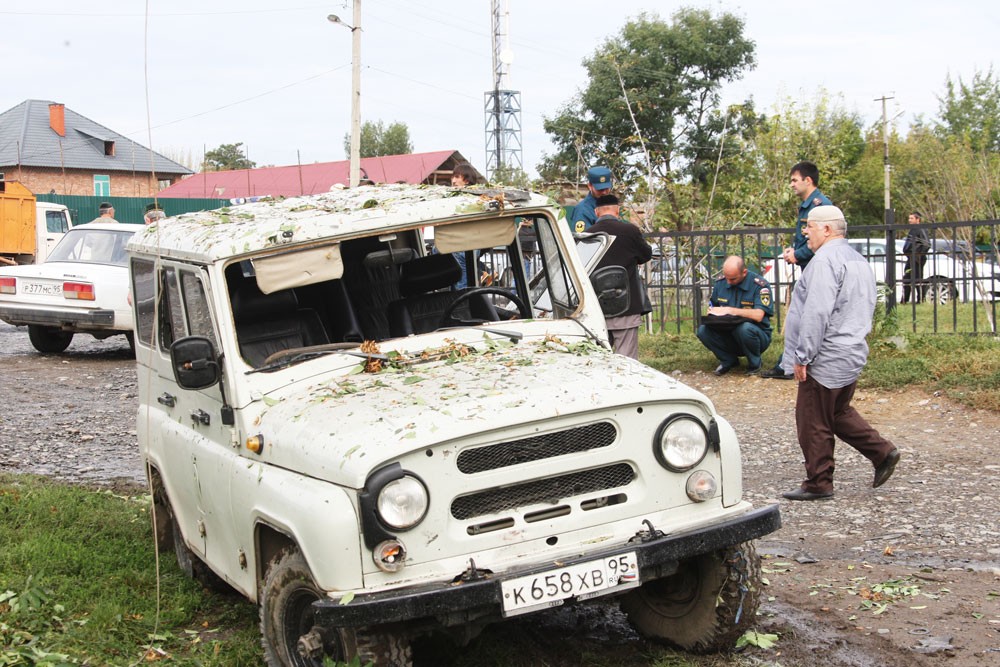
306 179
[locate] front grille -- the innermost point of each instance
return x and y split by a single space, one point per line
537 447
550 490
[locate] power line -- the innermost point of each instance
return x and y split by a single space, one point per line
166 14
83 142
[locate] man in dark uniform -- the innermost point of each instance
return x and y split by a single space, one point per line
804 181
628 249
584 215
915 248
744 294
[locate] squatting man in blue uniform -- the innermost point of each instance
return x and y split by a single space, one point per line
744 294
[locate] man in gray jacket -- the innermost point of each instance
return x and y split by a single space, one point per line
825 348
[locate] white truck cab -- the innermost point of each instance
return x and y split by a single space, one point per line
369 452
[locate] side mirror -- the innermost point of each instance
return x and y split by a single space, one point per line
194 362
611 285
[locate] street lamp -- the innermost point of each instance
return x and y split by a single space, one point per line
355 170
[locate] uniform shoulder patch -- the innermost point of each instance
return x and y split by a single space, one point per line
817 202
760 281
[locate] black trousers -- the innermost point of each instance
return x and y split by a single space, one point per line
821 414
913 278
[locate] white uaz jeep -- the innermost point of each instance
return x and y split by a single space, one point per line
393 409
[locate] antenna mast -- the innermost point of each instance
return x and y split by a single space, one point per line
502 106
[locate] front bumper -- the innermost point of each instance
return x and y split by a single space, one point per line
483 595
98 318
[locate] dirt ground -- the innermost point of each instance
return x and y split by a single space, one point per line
908 574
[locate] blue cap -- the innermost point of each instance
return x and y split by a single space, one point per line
600 178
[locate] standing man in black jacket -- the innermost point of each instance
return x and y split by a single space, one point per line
628 249
915 248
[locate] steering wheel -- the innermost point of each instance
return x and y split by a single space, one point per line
448 320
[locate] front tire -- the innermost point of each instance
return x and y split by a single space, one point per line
49 340
286 614
705 606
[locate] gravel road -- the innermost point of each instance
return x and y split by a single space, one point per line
935 524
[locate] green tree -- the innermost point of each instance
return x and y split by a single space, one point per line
752 187
971 112
649 110
378 140
226 157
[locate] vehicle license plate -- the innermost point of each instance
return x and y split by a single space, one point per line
42 288
580 581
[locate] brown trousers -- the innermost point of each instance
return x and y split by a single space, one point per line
821 414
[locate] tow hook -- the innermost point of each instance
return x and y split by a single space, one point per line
647 535
473 573
313 645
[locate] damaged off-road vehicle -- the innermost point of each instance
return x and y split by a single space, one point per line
341 431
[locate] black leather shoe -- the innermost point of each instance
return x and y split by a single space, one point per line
753 371
777 373
802 494
722 369
885 469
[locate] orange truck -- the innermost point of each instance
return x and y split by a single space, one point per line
29 229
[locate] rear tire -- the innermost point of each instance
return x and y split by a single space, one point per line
941 291
286 614
49 340
705 606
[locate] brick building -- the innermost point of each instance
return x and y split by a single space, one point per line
52 149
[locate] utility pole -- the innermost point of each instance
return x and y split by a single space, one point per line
885 158
355 164
355 173
889 216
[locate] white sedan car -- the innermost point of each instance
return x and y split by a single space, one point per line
82 287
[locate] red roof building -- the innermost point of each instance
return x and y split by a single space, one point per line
307 179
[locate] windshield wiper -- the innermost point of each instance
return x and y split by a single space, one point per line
513 336
312 354
590 334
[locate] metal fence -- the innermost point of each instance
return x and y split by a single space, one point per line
959 291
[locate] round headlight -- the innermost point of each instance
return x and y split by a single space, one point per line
681 443
402 503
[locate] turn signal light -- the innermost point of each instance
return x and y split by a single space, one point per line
82 291
255 443
8 285
390 556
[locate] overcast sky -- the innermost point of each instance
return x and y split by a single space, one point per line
278 79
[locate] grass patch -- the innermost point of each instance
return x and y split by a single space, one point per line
78 586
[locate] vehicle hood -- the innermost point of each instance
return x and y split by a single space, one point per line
343 428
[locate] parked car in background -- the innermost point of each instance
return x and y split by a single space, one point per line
82 287
949 272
